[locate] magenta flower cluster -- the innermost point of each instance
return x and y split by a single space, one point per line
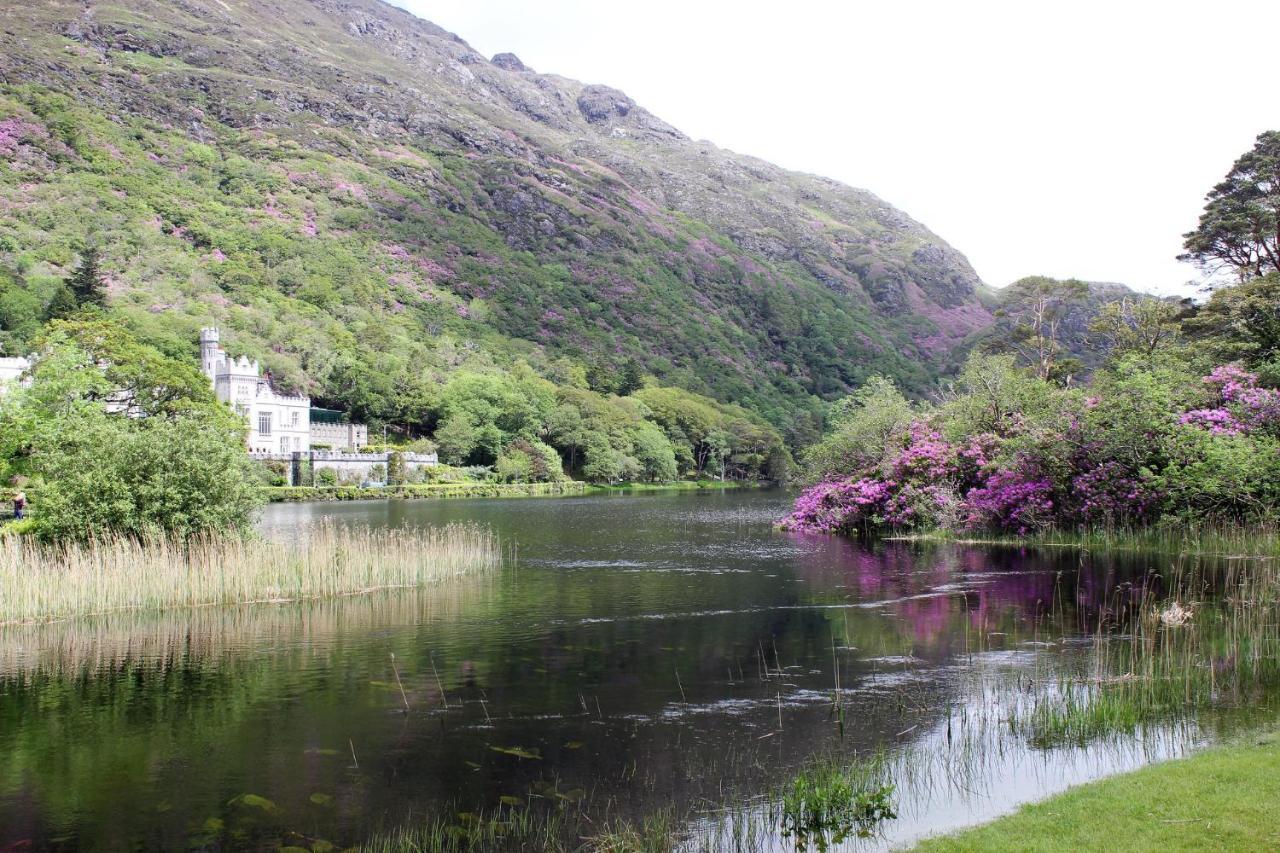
1014 500
1241 406
1111 493
1086 468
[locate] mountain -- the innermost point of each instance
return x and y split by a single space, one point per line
1012 307
364 202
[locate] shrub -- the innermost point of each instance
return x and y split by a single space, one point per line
1009 455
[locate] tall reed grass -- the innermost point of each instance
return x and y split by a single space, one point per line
42 582
1213 640
102 646
1201 539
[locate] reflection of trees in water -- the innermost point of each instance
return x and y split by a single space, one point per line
942 593
96 715
133 726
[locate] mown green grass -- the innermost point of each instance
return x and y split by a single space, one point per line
1220 799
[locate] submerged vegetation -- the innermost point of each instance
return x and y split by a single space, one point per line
44 582
823 805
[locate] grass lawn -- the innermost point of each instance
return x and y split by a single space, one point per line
1226 798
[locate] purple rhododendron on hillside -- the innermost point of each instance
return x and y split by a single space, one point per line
1217 421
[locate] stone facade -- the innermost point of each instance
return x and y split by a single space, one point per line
278 423
339 436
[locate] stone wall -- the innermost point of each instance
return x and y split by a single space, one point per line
349 467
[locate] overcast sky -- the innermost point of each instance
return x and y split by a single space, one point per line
1076 139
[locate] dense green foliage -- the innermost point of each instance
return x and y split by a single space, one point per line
1164 432
1180 423
117 438
406 283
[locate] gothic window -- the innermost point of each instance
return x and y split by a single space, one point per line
294 420
264 423
284 444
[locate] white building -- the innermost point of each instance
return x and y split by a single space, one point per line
278 423
11 370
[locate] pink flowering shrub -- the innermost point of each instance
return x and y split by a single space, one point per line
1116 456
1241 405
837 507
914 488
1109 493
1012 501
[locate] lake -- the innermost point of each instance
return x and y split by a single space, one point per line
634 652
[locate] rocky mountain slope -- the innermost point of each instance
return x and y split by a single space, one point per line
357 195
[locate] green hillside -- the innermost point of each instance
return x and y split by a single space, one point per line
367 205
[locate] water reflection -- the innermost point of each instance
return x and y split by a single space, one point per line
640 651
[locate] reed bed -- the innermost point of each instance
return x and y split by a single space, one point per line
1197 540
44 582
1213 641
102 646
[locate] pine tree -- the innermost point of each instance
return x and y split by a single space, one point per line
62 305
86 282
632 378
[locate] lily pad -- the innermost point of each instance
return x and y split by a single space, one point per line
508 800
254 801
574 744
321 799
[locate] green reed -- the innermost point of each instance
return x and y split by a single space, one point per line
42 582
1203 539
1170 656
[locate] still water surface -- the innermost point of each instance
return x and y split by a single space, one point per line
637 652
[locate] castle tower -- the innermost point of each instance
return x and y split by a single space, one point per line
210 353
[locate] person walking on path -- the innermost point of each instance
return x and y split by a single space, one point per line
19 505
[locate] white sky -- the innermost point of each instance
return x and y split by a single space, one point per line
1065 139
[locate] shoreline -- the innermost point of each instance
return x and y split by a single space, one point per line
459 491
1220 796
1224 542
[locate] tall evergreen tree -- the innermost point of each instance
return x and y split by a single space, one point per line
62 305
1240 227
86 282
632 378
